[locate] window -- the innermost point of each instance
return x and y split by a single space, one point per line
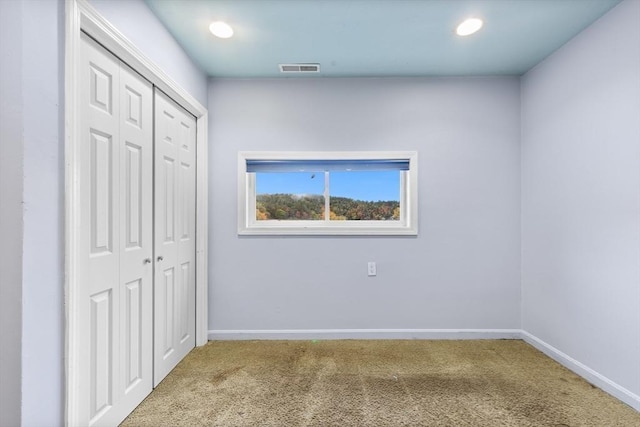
305 193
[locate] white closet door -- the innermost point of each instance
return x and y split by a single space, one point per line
115 306
175 217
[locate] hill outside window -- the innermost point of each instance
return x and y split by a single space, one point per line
327 193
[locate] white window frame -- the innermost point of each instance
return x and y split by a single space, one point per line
407 225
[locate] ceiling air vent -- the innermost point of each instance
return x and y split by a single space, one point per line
299 68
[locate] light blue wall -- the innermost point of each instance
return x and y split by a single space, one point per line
581 198
11 171
43 244
462 271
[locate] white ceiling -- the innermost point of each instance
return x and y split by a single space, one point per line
375 37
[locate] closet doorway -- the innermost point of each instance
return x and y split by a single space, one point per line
135 170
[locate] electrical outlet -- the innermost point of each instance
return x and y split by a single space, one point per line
371 268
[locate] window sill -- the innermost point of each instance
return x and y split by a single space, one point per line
327 230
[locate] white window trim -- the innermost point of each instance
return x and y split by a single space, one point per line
407 225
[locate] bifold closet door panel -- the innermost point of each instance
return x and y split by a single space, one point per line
175 216
116 295
136 229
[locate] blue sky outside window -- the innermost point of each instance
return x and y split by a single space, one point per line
357 190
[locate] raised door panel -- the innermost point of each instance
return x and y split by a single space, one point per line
101 75
166 292
184 322
133 193
101 355
168 174
133 336
101 182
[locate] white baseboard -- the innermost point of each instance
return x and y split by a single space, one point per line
585 372
353 334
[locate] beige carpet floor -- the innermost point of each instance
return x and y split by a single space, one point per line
376 383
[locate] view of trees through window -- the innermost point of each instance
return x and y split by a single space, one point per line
353 195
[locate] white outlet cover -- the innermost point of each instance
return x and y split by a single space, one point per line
371 268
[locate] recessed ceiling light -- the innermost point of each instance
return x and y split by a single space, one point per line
221 29
469 26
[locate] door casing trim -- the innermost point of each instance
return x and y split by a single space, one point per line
80 16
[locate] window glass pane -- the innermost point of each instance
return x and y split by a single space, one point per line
365 195
289 196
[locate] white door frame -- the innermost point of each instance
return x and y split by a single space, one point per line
81 16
